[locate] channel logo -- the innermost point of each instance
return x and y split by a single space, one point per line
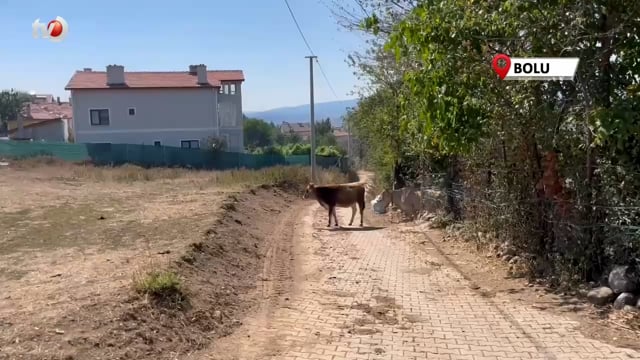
55 30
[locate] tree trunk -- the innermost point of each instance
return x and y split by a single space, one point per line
398 179
453 189
593 214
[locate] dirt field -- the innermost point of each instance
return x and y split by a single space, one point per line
75 238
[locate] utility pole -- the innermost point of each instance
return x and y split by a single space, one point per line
313 123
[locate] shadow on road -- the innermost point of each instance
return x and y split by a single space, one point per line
355 228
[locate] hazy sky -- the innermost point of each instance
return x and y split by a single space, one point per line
256 36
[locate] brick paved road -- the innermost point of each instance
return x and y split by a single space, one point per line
369 295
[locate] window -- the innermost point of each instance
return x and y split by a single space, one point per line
221 89
156 143
190 144
99 117
132 111
226 88
232 88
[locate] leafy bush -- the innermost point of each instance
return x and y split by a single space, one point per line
215 144
300 149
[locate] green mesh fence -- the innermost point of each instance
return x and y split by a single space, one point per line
69 152
157 156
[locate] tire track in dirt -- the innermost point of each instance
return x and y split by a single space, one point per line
256 339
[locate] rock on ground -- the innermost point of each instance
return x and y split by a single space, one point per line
624 299
600 296
623 279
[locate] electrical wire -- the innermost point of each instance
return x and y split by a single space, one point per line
298 26
326 79
324 75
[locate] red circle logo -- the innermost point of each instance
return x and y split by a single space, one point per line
54 28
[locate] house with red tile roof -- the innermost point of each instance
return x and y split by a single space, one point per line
301 129
43 119
173 108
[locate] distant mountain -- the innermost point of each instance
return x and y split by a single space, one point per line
334 110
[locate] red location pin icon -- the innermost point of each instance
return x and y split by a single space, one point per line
501 71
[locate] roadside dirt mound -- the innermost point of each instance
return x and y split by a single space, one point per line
218 271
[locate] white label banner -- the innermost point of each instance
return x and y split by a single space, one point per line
542 68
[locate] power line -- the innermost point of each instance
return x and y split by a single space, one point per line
326 79
324 75
298 26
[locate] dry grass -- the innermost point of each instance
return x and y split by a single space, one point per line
160 284
275 175
155 278
74 234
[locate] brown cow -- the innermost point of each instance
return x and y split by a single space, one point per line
341 195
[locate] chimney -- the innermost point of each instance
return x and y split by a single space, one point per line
201 70
115 75
59 102
86 69
192 69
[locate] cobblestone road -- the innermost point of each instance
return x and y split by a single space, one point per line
369 295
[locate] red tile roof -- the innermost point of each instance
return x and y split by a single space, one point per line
295 127
47 111
142 80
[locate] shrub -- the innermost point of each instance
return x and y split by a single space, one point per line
162 285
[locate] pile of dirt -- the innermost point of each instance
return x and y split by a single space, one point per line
218 273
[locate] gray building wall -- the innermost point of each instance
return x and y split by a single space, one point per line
165 115
230 115
53 131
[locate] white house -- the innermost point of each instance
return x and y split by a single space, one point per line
179 108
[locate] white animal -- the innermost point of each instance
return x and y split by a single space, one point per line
378 205
409 200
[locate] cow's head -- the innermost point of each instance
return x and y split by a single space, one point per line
308 191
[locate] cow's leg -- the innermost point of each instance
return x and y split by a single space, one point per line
353 213
335 216
361 206
330 213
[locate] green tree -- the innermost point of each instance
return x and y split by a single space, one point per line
382 140
431 100
258 133
323 127
11 103
324 133
328 139
285 139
